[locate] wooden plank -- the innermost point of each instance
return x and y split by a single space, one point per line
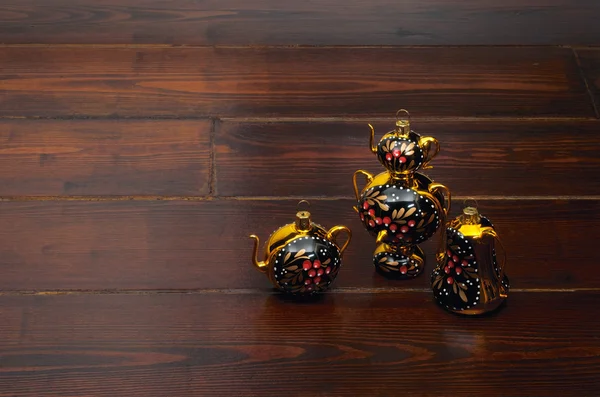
590 64
477 158
329 22
194 82
107 157
259 345
205 244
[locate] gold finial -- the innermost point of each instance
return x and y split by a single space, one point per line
470 212
403 123
303 221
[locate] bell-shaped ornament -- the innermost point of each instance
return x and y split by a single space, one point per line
469 279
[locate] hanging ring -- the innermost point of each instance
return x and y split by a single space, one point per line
403 111
470 202
303 202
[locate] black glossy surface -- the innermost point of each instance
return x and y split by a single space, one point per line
392 263
400 154
457 285
306 265
409 215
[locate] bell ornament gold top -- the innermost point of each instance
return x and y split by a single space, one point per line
402 150
302 257
468 278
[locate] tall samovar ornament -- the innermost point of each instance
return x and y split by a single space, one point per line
401 207
468 278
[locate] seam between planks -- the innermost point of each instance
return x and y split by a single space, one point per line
585 82
257 291
212 165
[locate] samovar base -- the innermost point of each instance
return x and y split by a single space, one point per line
399 262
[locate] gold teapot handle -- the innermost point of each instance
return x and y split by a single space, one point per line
369 177
488 231
435 187
428 154
332 235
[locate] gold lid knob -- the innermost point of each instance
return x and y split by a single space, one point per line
303 222
470 215
403 123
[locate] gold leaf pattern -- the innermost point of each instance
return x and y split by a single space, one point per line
327 261
383 259
300 253
287 257
462 295
399 214
431 218
410 212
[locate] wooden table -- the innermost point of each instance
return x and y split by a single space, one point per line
143 141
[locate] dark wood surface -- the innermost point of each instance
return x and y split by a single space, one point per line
275 82
505 158
141 142
289 22
260 345
590 64
205 244
104 157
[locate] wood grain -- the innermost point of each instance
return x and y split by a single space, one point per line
319 82
260 345
329 22
477 158
590 65
205 244
108 157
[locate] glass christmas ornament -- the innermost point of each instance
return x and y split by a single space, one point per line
302 258
401 207
468 279
403 150
400 211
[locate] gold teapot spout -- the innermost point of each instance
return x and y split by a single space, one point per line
260 265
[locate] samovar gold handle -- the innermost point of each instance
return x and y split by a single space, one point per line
369 177
438 187
428 153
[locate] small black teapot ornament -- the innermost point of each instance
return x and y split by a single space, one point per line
403 150
302 258
468 279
